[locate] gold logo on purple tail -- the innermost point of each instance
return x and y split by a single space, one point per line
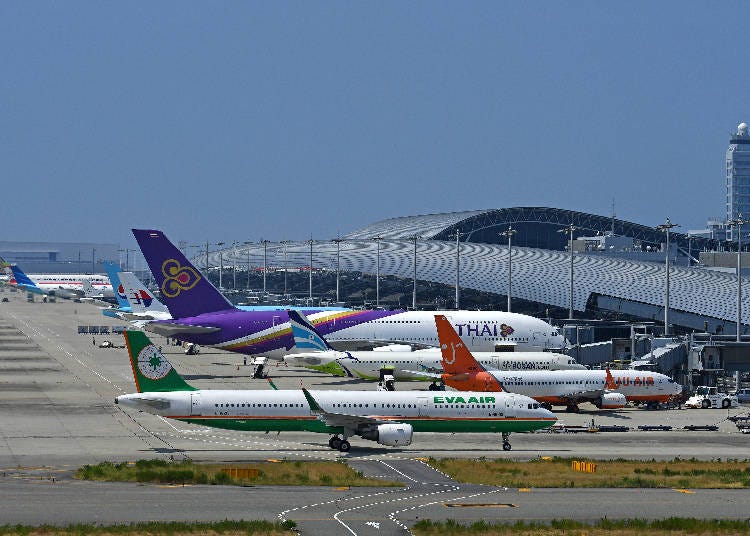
177 278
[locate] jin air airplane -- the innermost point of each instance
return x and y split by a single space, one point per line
388 418
202 315
313 349
604 388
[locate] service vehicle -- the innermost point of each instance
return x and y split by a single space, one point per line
709 397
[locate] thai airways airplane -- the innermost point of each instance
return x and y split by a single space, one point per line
388 418
314 350
64 285
202 315
604 388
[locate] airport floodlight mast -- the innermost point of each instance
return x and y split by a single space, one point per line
285 243
569 229
338 265
221 264
377 239
127 257
665 228
457 234
415 238
247 250
509 234
234 264
93 260
265 263
739 222
311 241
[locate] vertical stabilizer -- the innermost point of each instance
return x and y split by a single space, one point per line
151 370
23 281
306 337
113 271
185 291
457 359
140 299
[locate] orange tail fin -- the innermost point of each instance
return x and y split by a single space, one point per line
457 359
610 383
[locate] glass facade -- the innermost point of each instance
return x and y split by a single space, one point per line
738 177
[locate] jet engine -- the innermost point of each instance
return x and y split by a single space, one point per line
611 401
393 435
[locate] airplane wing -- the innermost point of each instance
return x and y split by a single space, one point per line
423 373
369 344
170 329
345 420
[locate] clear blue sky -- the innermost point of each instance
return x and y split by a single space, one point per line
285 120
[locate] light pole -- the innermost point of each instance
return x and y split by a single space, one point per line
569 229
739 222
509 233
377 239
311 268
665 227
457 234
285 243
415 238
338 265
247 245
265 263
221 264
234 265
93 261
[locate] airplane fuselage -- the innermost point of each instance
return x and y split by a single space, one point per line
269 333
288 410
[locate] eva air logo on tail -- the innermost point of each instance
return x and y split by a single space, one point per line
152 364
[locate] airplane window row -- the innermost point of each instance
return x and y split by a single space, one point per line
259 405
578 382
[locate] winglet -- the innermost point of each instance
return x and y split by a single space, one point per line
306 337
273 385
610 383
314 406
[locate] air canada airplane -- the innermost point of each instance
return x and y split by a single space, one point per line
604 388
386 417
202 315
314 349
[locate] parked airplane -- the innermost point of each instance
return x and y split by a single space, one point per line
604 388
315 350
63 285
385 417
201 314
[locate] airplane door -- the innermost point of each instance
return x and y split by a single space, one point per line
510 408
276 320
538 339
195 405
422 406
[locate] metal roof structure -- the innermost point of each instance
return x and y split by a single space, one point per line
698 295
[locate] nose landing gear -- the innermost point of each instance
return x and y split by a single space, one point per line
506 443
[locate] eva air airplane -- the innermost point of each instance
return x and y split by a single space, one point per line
386 417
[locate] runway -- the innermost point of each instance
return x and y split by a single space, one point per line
57 413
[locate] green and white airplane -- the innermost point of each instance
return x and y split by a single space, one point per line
386 417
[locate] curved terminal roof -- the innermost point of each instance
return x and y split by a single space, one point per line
539 275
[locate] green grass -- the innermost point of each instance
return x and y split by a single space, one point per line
227 528
605 527
284 473
558 473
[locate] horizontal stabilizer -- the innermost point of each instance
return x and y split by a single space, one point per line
172 329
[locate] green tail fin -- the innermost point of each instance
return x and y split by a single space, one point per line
151 370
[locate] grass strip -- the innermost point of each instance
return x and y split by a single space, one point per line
605 527
283 473
620 473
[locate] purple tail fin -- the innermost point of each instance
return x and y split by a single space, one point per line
185 291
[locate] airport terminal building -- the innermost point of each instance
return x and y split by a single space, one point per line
618 266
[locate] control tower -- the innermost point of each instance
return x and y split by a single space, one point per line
738 177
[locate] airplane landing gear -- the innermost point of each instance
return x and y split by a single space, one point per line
573 408
342 445
506 443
